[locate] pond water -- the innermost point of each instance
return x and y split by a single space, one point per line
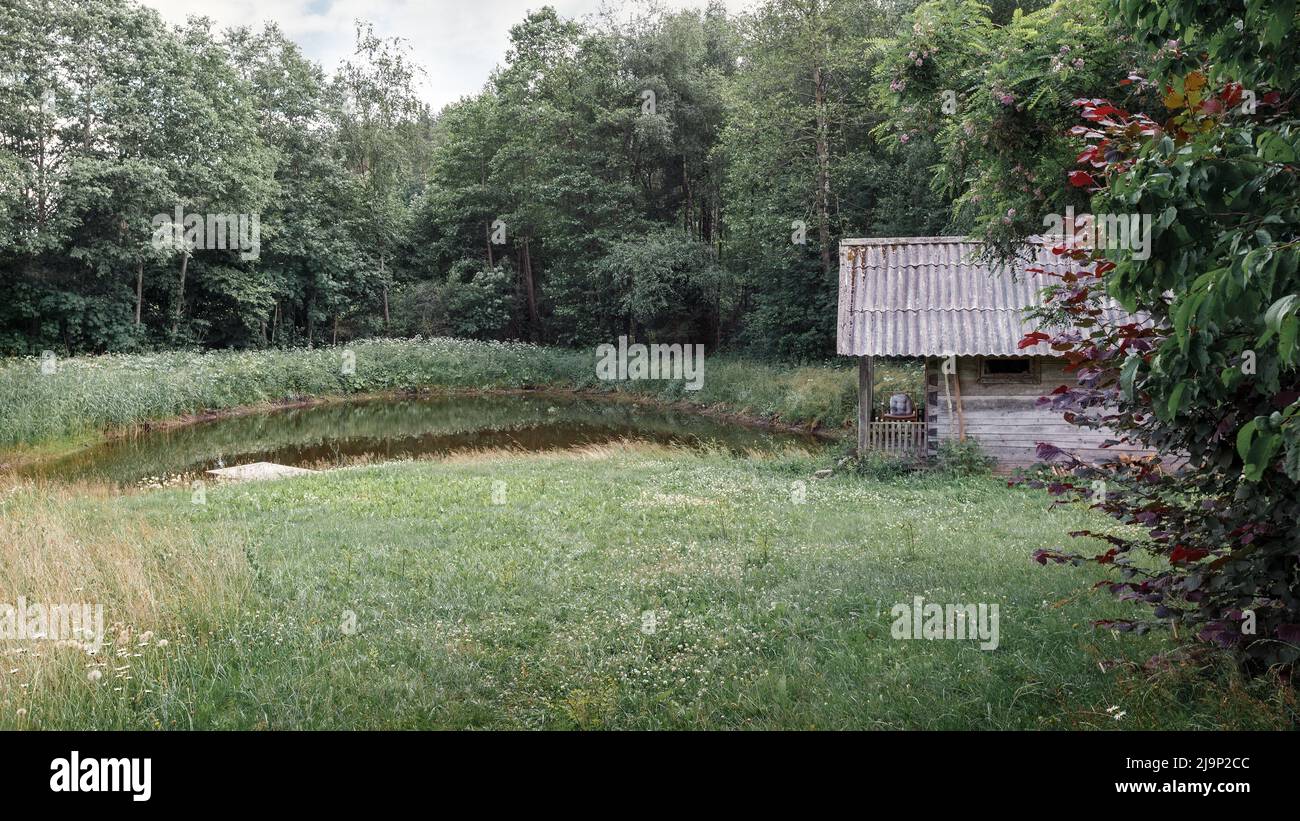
339 433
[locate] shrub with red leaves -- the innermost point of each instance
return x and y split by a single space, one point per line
1208 373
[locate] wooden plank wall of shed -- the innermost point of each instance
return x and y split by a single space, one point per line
1002 416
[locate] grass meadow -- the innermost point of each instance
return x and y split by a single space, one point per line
408 595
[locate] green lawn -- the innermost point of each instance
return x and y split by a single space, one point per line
531 613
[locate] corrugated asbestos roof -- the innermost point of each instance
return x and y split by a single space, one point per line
928 296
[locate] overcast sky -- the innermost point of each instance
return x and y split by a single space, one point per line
457 41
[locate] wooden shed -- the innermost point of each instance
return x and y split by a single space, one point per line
930 298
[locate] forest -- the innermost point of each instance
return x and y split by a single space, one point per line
679 176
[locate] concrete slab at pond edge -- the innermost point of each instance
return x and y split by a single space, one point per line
260 470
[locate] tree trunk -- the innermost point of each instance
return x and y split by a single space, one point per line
534 320
41 197
717 229
139 291
487 229
717 318
383 276
309 305
180 297
86 115
823 169
690 200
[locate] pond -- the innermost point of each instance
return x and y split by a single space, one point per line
347 432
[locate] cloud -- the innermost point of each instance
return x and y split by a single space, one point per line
458 42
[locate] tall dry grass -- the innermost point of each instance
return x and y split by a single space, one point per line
156 581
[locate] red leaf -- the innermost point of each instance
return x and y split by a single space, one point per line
1100 112
1187 554
1081 179
1231 94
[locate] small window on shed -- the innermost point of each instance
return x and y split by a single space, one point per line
1011 369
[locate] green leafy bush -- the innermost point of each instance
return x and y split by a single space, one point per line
1214 378
964 458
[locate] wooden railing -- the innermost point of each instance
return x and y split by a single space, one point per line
903 439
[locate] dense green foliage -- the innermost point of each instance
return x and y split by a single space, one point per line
108 118
1218 377
1002 139
641 174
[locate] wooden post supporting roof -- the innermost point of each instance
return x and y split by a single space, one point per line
961 413
866 376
